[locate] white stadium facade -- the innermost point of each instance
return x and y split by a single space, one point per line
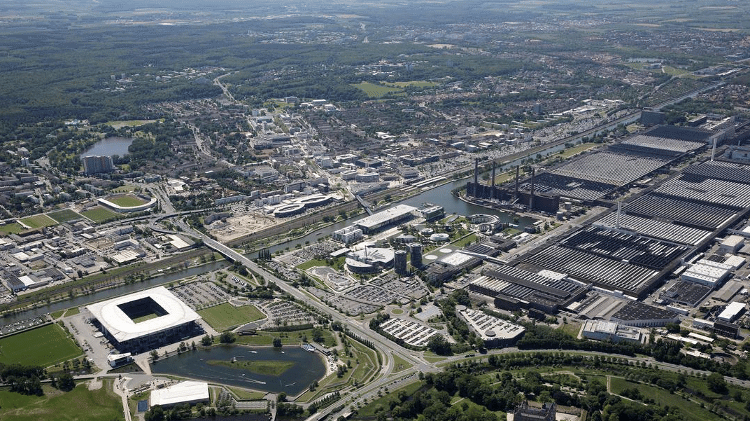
145 320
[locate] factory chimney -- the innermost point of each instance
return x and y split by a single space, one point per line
713 150
619 213
531 198
492 193
476 175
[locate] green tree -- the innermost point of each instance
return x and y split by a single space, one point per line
277 342
66 382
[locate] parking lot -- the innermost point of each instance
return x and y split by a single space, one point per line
199 295
22 325
343 304
285 312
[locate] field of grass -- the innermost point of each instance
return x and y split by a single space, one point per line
43 346
78 404
264 338
312 263
64 215
691 411
38 221
269 368
12 228
368 411
128 188
397 311
571 328
126 201
129 123
415 83
462 242
225 316
400 364
246 395
99 214
67 312
567 153
377 91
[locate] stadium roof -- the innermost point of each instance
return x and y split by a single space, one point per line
123 328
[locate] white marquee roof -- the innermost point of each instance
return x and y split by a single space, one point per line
119 325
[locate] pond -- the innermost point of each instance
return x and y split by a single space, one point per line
109 146
239 365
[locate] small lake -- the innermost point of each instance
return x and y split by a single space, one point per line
308 367
109 146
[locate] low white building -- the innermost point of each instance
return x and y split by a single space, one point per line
601 330
189 392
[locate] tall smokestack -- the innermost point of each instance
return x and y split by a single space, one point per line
619 213
531 198
517 175
713 150
492 193
476 175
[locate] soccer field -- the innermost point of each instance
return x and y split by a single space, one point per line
43 346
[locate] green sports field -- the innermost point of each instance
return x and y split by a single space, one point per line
38 221
376 91
126 201
224 316
12 228
43 346
64 215
99 214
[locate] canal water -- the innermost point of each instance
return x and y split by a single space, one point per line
112 292
308 367
109 146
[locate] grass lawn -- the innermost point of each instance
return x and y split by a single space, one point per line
38 221
690 410
296 337
126 200
225 316
99 214
433 358
246 395
368 411
43 346
567 153
400 364
78 404
12 228
128 188
415 83
571 328
269 368
397 311
312 263
64 215
129 123
68 312
462 242
376 91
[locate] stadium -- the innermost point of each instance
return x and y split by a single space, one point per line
144 320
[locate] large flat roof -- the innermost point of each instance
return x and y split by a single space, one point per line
188 391
123 328
380 218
